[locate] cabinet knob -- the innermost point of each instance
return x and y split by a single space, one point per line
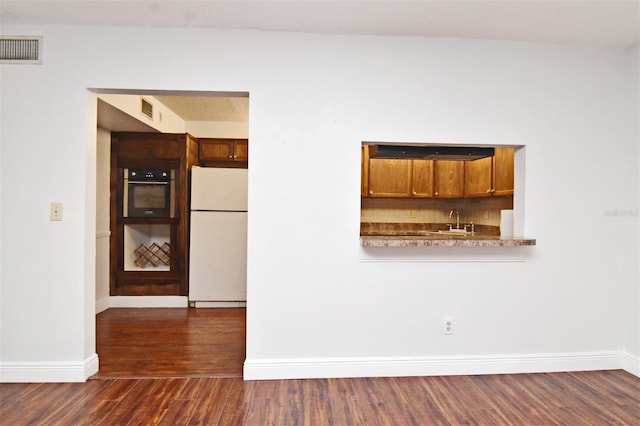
230 157
436 193
488 190
370 192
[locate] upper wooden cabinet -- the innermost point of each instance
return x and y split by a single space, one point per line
478 177
491 176
503 170
422 179
241 150
389 178
134 149
364 171
404 178
448 179
223 152
400 178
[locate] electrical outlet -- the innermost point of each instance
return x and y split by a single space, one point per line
448 325
55 211
485 214
412 213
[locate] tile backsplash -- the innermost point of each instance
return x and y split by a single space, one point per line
482 211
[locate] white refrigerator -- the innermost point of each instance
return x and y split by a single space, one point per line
218 237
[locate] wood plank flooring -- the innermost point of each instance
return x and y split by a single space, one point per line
133 388
170 342
580 398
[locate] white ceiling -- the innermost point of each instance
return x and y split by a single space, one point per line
208 108
189 107
611 23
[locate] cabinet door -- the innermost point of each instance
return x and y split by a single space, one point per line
503 169
216 149
241 150
448 179
364 171
478 176
422 179
389 178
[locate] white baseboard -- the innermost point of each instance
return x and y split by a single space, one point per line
102 304
45 372
71 371
631 364
219 304
148 302
270 369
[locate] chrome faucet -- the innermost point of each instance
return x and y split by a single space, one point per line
457 217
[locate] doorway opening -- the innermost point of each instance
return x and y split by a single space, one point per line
136 327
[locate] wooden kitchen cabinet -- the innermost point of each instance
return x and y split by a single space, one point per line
223 152
400 178
394 178
478 177
503 171
149 255
241 150
491 176
405 178
448 179
389 178
422 179
364 171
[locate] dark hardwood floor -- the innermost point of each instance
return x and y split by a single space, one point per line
175 391
170 342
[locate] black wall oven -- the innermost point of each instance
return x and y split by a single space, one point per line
149 193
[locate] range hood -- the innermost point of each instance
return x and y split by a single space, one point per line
417 152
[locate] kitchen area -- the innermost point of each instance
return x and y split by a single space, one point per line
176 221
437 195
171 233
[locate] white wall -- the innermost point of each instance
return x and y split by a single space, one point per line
314 308
163 119
218 129
633 333
103 227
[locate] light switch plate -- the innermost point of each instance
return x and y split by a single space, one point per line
55 211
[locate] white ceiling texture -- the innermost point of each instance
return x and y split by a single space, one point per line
605 23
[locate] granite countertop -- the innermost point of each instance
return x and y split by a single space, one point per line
434 235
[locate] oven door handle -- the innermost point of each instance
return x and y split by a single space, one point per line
147 182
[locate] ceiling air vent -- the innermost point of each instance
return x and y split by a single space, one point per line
20 50
146 108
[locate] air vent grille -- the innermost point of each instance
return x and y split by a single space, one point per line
20 50
147 108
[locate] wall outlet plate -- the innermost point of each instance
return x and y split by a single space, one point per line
447 325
